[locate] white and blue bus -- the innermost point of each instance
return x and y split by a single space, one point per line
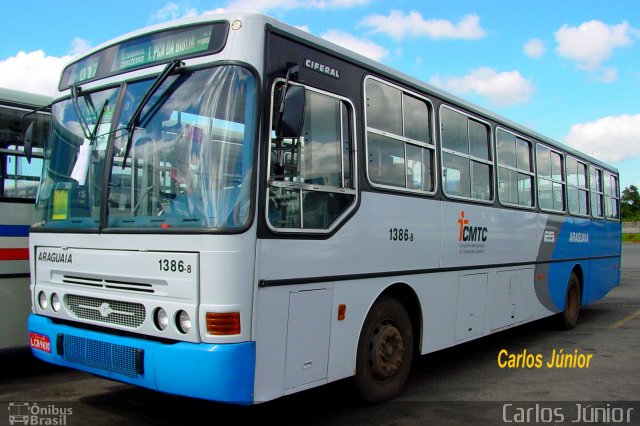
19 177
235 210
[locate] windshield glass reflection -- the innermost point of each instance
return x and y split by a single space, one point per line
71 187
189 164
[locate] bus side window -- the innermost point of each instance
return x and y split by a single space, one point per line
399 141
310 178
19 177
466 147
551 179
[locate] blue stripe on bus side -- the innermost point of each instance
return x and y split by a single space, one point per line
14 230
585 238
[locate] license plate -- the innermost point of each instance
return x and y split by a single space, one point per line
40 342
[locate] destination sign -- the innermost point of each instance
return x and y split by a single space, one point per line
147 50
162 48
83 70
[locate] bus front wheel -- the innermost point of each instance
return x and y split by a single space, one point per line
569 318
385 352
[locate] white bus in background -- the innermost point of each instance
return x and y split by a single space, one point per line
233 209
19 179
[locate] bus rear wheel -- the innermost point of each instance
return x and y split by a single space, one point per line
569 318
385 352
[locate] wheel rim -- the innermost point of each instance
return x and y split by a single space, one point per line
386 349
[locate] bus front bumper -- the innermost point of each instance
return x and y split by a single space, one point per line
217 372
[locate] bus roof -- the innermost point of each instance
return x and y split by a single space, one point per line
351 56
18 97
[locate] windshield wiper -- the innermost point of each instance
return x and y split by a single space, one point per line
168 70
92 136
75 91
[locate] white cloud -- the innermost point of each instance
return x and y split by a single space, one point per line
593 42
263 5
399 25
213 11
361 45
172 11
611 139
304 28
499 88
607 75
534 48
35 71
32 72
79 46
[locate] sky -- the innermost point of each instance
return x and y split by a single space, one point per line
567 69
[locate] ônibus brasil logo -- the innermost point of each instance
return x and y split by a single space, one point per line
471 233
28 413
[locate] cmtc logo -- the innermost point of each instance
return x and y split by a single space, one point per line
471 233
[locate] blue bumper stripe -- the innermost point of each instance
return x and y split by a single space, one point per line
14 230
217 372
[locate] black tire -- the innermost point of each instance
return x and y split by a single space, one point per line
569 318
385 352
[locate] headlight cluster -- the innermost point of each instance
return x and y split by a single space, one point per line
53 300
181 320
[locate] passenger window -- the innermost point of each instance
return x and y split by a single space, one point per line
455 134
611 196
20 178
597 203
311 178
416 119
466 156
577 191
399 142
551 179
515 176
384 107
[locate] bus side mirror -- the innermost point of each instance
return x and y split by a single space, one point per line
28 142
291 113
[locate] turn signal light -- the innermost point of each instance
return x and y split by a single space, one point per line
223 323
342 312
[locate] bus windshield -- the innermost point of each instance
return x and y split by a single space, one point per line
189 163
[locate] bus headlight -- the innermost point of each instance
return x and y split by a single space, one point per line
160 319
183 322
55 302
42 300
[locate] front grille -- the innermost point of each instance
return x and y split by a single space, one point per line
106 356
141 287
126 314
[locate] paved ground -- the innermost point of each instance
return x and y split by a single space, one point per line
461 385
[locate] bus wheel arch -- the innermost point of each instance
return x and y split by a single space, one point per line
578 271
387 345
573 300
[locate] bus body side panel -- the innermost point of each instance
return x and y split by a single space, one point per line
563 237
605 265
355 254
474 267
469 282
591 246
14 273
